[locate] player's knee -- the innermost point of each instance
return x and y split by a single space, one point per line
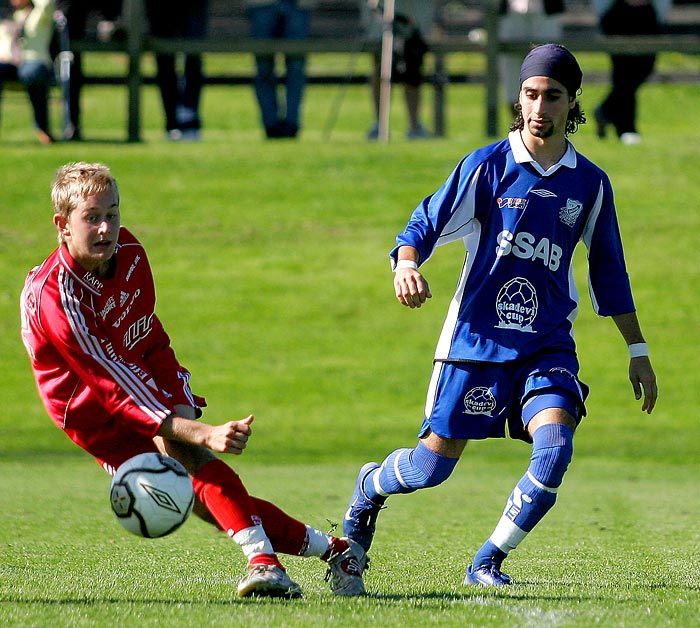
433 467
552 450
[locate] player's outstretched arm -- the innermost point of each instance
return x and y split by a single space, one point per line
641 373
228 438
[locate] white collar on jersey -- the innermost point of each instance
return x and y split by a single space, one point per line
522 155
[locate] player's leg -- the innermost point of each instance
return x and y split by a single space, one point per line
346 560
219 488
552 399
403 471
428 464
532 497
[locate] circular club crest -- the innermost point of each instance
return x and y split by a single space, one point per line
516 305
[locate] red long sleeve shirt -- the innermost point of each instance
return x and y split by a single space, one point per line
97 349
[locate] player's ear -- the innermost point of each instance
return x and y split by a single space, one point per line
61 225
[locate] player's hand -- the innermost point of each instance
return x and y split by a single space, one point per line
231 437
644 380
411 288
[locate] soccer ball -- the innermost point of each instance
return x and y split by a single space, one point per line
152 495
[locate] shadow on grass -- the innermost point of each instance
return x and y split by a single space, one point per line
608 595
528 593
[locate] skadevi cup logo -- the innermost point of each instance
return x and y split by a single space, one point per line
479 400
516 305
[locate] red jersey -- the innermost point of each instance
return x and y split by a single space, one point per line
101 358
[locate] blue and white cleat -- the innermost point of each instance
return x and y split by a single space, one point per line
360 519
486 576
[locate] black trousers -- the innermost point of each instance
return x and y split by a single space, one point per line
629 72
181 18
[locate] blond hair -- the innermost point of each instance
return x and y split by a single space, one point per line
75 181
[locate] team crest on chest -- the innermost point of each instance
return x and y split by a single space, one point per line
569 214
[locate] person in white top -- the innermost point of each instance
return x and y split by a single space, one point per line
531 21
24 55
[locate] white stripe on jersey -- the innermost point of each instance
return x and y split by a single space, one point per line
90 345
470 233
587 237
185 377
573 293
461 223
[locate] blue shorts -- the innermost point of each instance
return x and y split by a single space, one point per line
475 400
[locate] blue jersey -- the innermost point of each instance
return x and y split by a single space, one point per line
520 225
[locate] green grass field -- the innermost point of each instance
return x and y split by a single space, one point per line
273 282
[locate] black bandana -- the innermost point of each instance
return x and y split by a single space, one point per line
555 62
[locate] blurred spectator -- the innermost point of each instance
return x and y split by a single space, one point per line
180 94
629 72
76 13
280 19
413 22
25 39
530 21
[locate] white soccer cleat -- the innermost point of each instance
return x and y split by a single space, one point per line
268 581
345 570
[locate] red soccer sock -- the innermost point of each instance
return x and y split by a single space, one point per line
267 559
220 489
288 535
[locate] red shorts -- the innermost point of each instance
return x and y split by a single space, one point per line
111 445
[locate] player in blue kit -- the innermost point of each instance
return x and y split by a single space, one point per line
506 354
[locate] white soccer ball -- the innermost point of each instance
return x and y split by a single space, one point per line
152 495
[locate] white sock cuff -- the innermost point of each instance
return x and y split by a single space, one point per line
253 541
507 536
318 542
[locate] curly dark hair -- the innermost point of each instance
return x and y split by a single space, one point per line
575 118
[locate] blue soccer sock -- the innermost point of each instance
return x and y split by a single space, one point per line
489 556
533 496
407 470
